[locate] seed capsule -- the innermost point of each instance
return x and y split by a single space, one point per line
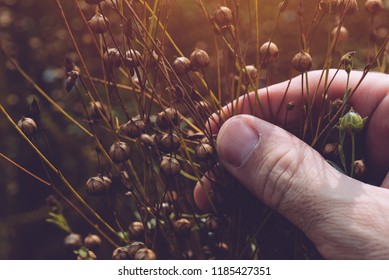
204 152
98 23
167 118
136 230
282 6
269 51
343 33
28 126
92 241
170 166
112 57
98 185
133 128
199 59
330 149
119 152
302 61
133 58
71 80
359 167
223 16
182 226
145 254
212 224
250 73
348 7
181 65
96 110
85 254
347 61
133 248
351 122
329 6
374 6
73 241
169 142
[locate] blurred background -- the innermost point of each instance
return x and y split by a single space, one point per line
33 33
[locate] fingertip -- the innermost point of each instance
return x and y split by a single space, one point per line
201 194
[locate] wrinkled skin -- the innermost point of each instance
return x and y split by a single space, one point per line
344 218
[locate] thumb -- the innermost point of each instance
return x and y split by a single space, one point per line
344 218
278 168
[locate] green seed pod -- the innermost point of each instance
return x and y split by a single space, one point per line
119 152
351 122
347 61
85 254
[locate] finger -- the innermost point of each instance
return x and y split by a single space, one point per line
335 211
273 98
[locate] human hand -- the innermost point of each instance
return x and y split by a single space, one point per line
344 218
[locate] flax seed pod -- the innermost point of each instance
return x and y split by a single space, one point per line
169 142
133 58
85 254
134 128
269 51
98 23
145 254
136 230
167 118
119 152
343 34
359 167
348 7
92 241
112 57
96 110
199 59
250 73
73 241
329 6
27 126
71 80
182 226
133 248
223 16
98 185
170 166
374 6
204 152
181 65
302 61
